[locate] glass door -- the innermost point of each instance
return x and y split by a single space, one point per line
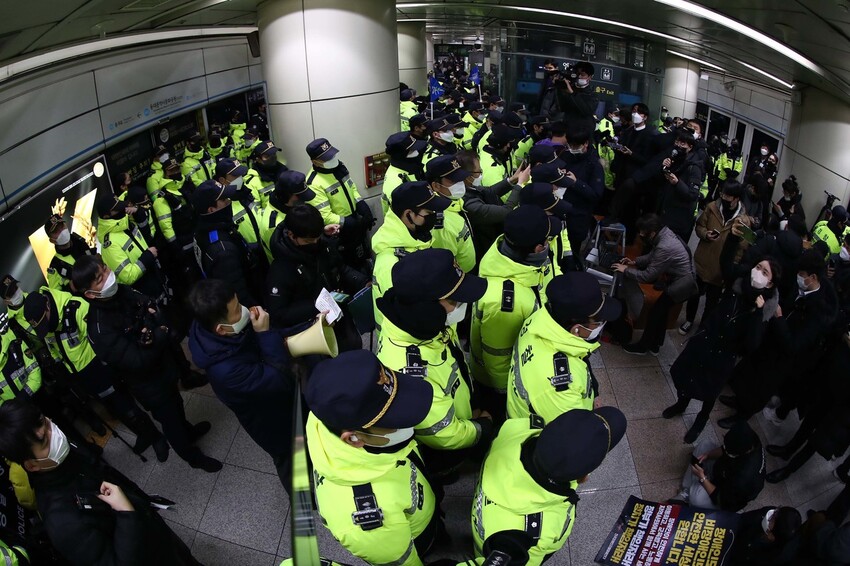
718 124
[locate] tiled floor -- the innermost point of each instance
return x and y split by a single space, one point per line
239 516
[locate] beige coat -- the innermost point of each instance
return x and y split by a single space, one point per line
707 255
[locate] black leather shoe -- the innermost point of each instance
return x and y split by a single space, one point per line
161 449
193 379
728 422
729 401
196 431
784 452
777 476
673 410
207 464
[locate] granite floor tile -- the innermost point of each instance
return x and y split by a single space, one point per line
248 508
245 453
329 547
657 448
122 458
660 491
614 357
616 471
188 487
217 442
708 433
211 551
641 393
185 533
596 360
595 516
606 390
822 501
810 481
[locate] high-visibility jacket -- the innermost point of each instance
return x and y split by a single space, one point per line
493 169
17 314
485 139
472 126
156 178
334 199
247 221
198 166
59 270
243 152
823 233
407 109
124 249
237 130
435 150
221 152
259 189
391 242
173 215
521 151
724 162
507 498
12 555
268 218
514 292
21 374
448 425
393 178
455 235
391 482
560 248
67 339
549 375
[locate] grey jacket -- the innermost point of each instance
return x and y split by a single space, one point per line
668 257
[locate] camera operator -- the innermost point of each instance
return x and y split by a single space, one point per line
129 332
576 98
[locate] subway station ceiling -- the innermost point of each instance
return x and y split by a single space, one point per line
776 42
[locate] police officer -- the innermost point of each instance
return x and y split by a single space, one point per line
549 372
405 153
418 129
143 219
517 268
474 119
529 479
156 177
416 210
430 295
68 247
832 231
60 319
217 145
244 148
479 138
340 203
220 250
447 177
370 482
129 331
237 125
727 166
440 140
259 121
407 108
537 128
197 166
247 213
495 156
21 374
289 190
264 162
458 127
545 195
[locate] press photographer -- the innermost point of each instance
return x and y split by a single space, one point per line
575 96
129 332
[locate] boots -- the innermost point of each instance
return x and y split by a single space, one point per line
696 428
676 409
146 434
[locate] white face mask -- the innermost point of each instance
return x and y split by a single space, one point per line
164 157
63 238
412 154
59 447
446 136
476 181
560 192
456 315
481 117
331 163
582 82
615 120
110 287
765 521
239 326
764 151
637 119
801 283
577 151
460 131
696 135
398 436
782 225
594 334
844 254
457 190
758 279
237 182
17 298
500 108
460 104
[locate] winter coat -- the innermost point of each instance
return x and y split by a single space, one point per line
585 194
487 212
832 436
677 203
668 260
707 254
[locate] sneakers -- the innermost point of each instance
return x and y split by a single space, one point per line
685 327
770 415
637 350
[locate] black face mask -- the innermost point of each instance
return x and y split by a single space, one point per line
728 207
220 216
423 232
311 249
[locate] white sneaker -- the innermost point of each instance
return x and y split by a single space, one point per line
770 415
683 495
685 327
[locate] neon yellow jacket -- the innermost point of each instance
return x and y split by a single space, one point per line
393 178
334 199
74 340
20 374
506 495
124 249
407 109
514 292
198 166
448 425
822 233
492 171
156 178
455 235
268 218
243 152
535 384
391 242
401 491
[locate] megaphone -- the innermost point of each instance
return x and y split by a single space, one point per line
318 339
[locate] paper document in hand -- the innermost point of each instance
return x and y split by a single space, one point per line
325 302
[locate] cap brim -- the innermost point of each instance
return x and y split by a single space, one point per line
560 208
555 225
411 404
239 171
418 145
458 175
616 422
328 154
611 309
438 203
229 191
306 195
470 289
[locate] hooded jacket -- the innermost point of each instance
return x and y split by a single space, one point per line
126 252
248 373
197 166
400 489
486 212
514 292
549 374
456 236
506 496
392 241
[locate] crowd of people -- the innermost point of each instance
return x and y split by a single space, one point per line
485 317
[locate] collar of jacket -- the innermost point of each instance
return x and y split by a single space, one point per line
394 234
557 337
497 264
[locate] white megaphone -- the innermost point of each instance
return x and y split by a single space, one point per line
318 339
